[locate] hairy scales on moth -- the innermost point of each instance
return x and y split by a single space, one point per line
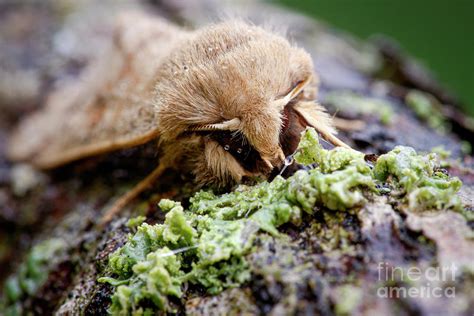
224 102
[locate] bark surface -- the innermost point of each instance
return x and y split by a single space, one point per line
329 265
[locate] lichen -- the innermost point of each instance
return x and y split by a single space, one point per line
310 152
444 156
417 177
442 152
31 274
209 243
354 102
426 108
352 297
135 221
156 277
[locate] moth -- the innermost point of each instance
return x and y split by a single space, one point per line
225 102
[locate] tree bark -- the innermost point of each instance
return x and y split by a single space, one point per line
332 269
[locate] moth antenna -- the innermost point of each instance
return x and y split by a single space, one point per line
230 125
128 197
317 117
348 125
281 103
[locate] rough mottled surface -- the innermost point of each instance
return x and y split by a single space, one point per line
330 264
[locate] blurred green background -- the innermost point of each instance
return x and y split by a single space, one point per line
438 33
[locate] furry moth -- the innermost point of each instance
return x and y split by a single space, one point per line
224 102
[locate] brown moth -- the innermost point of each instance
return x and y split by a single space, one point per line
224 102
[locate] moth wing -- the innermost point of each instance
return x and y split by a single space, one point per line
109 107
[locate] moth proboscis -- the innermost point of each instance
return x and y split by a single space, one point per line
225 102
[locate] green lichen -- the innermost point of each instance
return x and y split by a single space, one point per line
174 233
209 243
354 102
135 221
155 278
442 152
426 107
31 274
443 155
310 152
417 177
350 299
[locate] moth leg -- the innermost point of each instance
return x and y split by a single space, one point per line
132 194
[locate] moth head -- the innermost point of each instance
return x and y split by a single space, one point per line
233 83
244 134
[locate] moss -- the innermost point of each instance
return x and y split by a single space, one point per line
426 107
209 243
31 274
354 102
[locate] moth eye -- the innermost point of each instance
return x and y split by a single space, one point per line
226 147
239 150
